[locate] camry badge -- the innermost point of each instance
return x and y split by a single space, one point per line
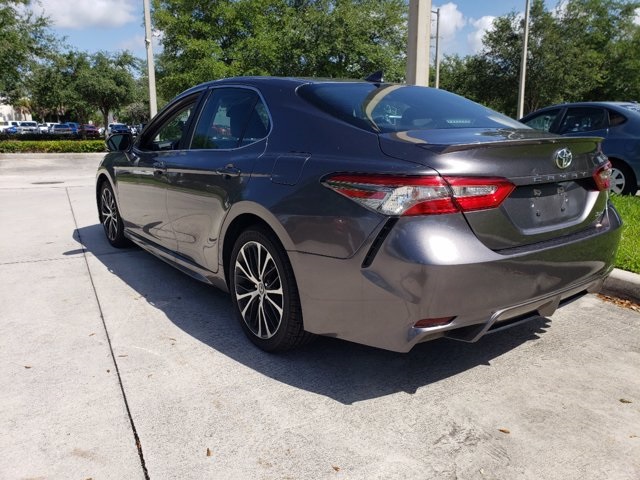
563 158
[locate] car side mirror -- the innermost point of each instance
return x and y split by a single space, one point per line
119 142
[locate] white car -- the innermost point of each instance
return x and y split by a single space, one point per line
28 127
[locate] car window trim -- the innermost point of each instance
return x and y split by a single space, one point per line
210 91
587 107
560 113
165 115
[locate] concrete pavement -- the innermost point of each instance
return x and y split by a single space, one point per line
115 365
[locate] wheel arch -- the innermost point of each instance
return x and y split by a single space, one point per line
243 216
101 178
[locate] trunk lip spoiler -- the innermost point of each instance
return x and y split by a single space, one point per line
442 148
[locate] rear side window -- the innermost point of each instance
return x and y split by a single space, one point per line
616 118
231 118
392 108
584 119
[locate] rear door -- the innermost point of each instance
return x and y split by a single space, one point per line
213 174
584 121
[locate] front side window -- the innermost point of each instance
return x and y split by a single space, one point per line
231 118
544 120
172 130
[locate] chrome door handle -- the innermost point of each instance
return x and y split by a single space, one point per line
229 171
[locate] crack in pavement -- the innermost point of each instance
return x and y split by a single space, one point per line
113 357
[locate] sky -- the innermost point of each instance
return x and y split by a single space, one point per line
112 25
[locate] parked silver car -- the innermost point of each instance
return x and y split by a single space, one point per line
378 213
28 127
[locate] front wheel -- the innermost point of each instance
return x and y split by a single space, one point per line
264 292
110 217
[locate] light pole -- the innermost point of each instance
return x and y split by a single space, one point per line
437 12
153 102
418 42
523 64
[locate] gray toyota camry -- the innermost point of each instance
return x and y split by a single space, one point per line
383 214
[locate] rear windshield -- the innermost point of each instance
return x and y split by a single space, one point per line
392 108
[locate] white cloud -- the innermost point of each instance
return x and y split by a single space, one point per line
481 26
451 21
82 14
636 19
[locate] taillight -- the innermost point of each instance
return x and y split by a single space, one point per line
428 195
602 177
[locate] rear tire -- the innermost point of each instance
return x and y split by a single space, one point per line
264 292
110 217
623 181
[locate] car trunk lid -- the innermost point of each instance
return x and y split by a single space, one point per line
555 192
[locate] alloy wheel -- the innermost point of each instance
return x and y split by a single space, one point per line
258 290
109 214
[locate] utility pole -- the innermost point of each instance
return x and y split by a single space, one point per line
437 12
523 64
153 102
418 42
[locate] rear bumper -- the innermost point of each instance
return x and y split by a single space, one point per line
435 267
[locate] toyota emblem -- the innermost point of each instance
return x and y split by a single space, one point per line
563 158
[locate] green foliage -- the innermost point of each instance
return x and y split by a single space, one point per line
582 50
204 40
24 38
75 84
52 146
107 83
628 257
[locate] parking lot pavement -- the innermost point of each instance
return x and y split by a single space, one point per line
555 398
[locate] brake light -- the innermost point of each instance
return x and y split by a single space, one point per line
427 195
602 177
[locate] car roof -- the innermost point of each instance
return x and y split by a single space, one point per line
615 105
256 81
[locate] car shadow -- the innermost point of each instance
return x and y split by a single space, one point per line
343 371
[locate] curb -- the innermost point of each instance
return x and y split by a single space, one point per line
622 284
49 156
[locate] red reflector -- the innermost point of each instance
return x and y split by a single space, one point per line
433 322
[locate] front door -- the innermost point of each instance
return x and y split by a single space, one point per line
142 184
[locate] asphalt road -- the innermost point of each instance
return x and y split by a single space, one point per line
114 365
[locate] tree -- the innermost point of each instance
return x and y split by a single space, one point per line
582 50
106 81
24 38
605 34
204 40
